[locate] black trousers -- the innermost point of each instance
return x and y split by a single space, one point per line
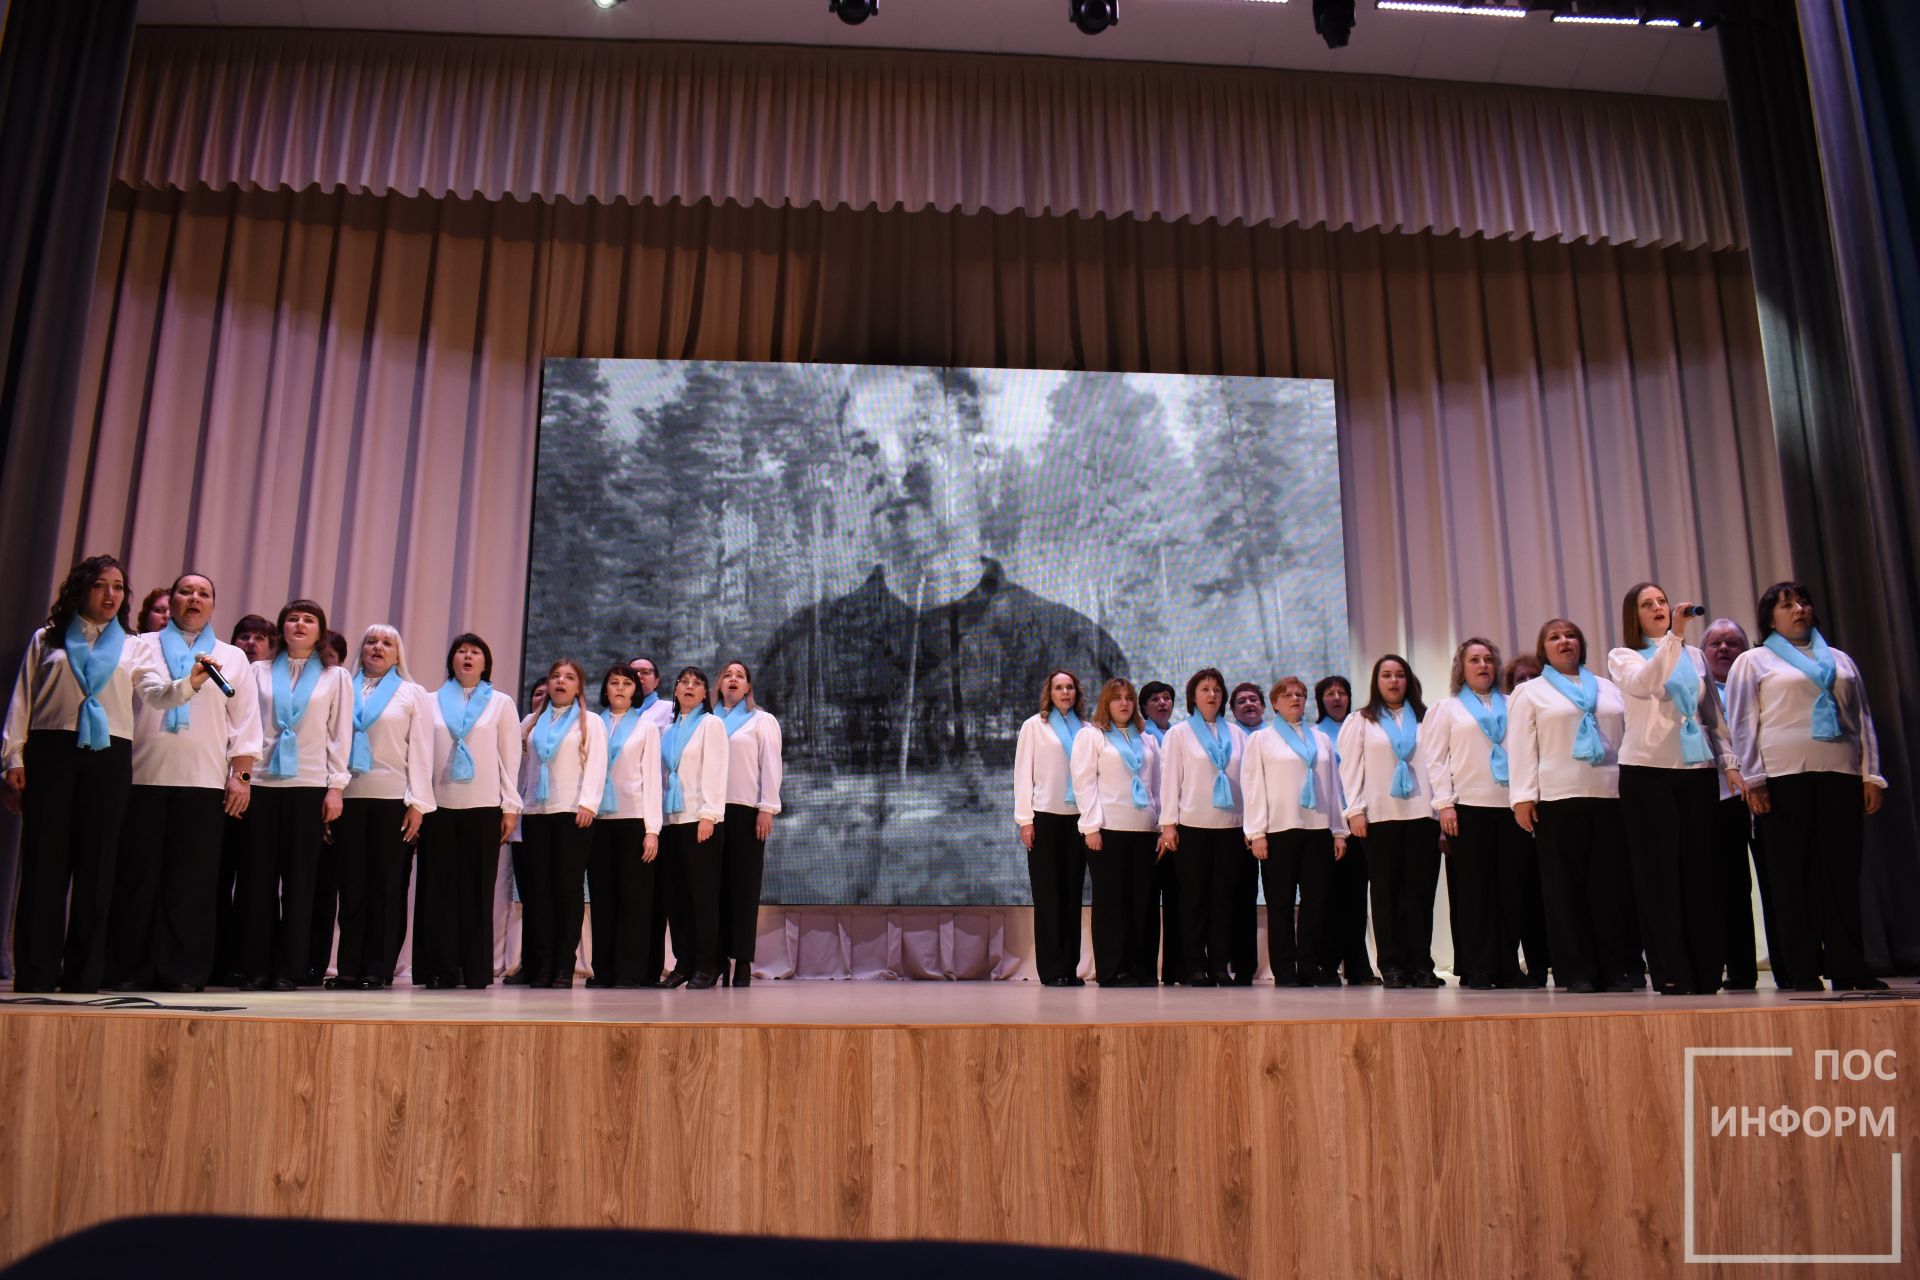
692 872
553 848
374 861
1217 879
1057 870
1493 891
234 839
276 881
1347 914
1166 886
1583 877
1403 864
326 907
71 817
1297 862
1733 836
623 892
162 918
1125 926
1669 818
1812 839
453 903
743 860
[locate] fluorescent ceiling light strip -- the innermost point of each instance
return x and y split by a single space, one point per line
1663 22
1596 20
1463 10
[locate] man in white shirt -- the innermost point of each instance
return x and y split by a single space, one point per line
1734 833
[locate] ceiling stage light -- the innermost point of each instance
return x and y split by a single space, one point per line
853 12
1093 16
608 4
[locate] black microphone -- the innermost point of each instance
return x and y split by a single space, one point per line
1693 611
213 674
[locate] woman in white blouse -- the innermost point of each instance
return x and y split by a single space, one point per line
1200 819
1390 806
1671 759
306 727
1047 813
1116 778
1297 831
69 732
385 803
753 797
1803 736
567 770
476 770
1493 877
626 839
1563 743
693 768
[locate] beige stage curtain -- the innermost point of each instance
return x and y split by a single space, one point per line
379 113
335 395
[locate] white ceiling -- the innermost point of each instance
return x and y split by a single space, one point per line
1528 51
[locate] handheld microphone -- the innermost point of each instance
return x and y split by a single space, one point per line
1693 611
213 674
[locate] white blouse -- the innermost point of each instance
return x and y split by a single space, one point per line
47 697
1040 772
1187 774
703 773
219 729
494 746
1272 773
1367 765
635 774
1653 723
1770 706
659 713
1103 784
324 737
1541 725
401 741
1459 757
574 781
753 763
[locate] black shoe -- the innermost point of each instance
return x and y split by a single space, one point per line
438 982
1053 982
634 986
1677 989
742 973
1581 988
1528 982
314 977
253 984
1393 980
1740 986
373 984
1622 986
599 983
1076 981
285 984
1199 980
518 978
342 984
129 984
678 978
1808 985
180 988
1326 978
1481 984
1365 980
1859 984
703 982
1429 980
560 984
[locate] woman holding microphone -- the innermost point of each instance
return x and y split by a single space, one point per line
1673 754
1116 777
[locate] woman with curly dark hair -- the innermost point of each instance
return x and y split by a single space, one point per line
69 731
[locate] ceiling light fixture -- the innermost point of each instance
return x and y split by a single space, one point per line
853 12
608 4
1461 10
1093 16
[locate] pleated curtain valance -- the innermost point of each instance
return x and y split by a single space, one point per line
465 116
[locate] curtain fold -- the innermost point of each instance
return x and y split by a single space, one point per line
578 121
335 395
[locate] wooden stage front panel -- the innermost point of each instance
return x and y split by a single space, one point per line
1503 1146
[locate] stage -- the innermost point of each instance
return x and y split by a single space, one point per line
1259 1131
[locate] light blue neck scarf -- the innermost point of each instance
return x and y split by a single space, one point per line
617 736
734 718
1159 734
290 698
545 740
92 666
1304 744
1493 722
173 647
1216 740
1064 728
1588 746
1820 669
1683 690
461 714
647 701
1133 754
1403 735
673 745
368 707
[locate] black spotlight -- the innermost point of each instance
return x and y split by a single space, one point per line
853 12
1333 19
1093 16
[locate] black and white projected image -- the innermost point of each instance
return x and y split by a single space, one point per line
901 555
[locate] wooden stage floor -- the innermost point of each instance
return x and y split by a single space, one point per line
1259 1131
